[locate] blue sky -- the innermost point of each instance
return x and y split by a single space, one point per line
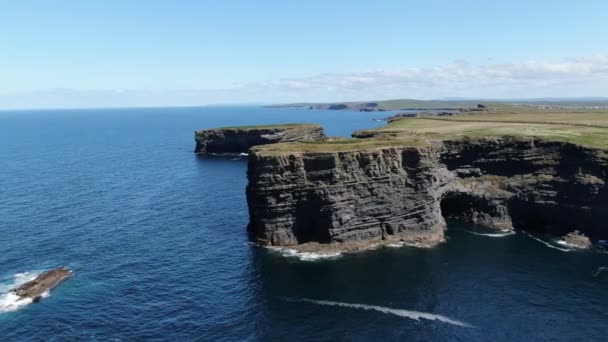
147 53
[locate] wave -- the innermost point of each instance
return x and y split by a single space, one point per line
304 256
510 232
548 244
10 301
569 245
415 315
238 155
599 271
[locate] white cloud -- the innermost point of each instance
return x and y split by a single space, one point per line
586 76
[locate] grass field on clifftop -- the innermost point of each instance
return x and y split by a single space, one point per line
582 127
270 126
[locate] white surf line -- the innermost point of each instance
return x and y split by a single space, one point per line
599 270
10 301
304 256
491 234
415 315
547 244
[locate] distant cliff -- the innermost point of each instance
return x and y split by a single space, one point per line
363 196
240 139
373 106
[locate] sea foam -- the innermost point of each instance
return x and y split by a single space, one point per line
599 270
304 256
548 244
415 315
494 235
10 301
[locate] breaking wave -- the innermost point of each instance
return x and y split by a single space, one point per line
599 270
304 256
507 233
10 301
569 245
548 244
415 315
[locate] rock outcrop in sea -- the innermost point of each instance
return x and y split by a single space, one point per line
363 196
240 139
577 239
35 289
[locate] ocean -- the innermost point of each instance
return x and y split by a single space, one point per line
156 237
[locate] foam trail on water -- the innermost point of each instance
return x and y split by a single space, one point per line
304 256
548 244
10 301
511 232
599 270
415 315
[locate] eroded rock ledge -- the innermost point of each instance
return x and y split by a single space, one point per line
362 197
241 139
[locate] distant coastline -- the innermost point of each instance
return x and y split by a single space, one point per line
411 104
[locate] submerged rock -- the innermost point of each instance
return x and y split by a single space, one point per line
235 140
34 289
577 239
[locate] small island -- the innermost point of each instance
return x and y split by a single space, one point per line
508 167
239 139
36 288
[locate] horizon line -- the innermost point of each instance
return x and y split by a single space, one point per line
243 104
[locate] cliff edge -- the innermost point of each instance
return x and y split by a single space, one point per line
241 139
545 172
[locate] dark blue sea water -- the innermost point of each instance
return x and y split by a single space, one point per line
156 236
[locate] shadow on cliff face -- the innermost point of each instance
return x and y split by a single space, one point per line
475 209
309 227
516 213
523 214
454 206
551 219
529 217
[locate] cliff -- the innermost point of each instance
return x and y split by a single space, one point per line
240 139
400 185
352 196
385 105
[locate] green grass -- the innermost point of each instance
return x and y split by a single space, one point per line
285 125
588 128
582 127
335 146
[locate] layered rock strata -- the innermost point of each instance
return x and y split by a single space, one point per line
358 198
240 139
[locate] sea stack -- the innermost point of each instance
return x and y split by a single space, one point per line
235 140
34 289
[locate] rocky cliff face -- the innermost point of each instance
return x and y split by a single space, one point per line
240 139
530 184
403 193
